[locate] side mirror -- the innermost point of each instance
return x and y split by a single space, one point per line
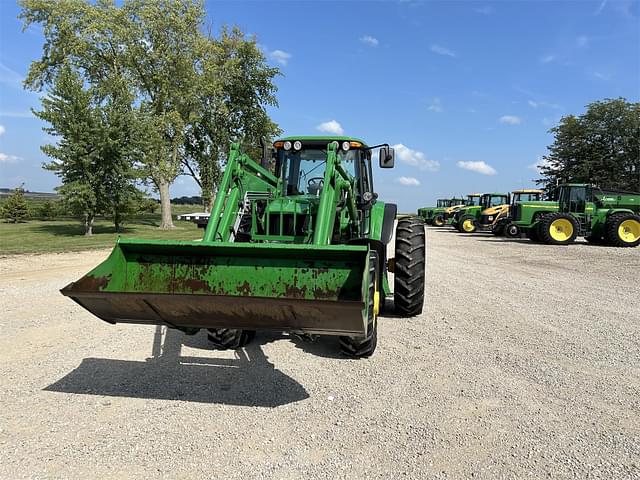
387 157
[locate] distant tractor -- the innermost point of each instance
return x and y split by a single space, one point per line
438 214
472 200
498 219
600 216
467 219
427 213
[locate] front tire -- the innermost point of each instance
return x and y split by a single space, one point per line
438 221
511 230
230 338
410 262
623 230
558 229
467 224
364 346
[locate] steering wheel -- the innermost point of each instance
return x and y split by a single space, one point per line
315 184
319 180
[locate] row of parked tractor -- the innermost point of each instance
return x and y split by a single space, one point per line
600 216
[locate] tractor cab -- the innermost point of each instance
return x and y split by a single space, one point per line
528 195
473 200
489 200
573 197
443 203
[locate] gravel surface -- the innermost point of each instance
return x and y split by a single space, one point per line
524 364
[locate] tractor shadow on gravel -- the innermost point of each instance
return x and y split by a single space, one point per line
249 379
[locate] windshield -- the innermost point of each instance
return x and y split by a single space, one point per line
526 197
473 201
302 172
493 200
573 199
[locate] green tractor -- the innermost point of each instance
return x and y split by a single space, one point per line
468 219
427 212
600 216
300 248
472 200
498 219
435 215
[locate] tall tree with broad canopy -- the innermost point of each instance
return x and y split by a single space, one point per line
600 147
95 151
193 93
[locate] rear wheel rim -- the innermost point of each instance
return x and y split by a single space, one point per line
561 230
629 231
468 226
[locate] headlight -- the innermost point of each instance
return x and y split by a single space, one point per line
345 146
297 145
287 145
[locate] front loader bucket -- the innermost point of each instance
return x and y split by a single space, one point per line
315 289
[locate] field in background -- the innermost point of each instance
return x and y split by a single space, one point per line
67 234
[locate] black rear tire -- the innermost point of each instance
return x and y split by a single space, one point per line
410 263
230 338
612 230
532 234
562 237
364 346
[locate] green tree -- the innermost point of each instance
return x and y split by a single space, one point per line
95 151
233 108
46 210
191 93
15 209
601 147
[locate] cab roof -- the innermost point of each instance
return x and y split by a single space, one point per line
318 138
528 190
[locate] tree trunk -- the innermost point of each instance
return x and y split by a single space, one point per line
165 205
116 221
88 224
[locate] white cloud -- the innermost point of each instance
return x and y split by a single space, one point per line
415 158
601 76
369 40
547 58
600 7
478 167
510 120
440 50
436 105
280 56
582 41
9 158
2 130
541 162
331 126
408 181
486 10
543 104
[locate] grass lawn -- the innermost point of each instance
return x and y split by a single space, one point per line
35 236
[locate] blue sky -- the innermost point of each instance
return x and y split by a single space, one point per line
467 90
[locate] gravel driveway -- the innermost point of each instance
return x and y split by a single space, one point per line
524 364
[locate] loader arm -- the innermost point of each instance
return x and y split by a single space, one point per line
336 181
227 204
